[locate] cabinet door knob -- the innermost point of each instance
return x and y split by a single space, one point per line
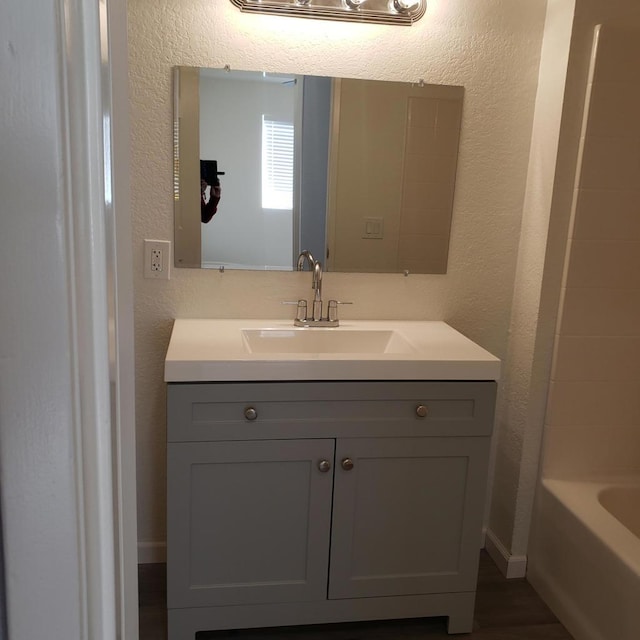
347 464
421 411
324 465
250 413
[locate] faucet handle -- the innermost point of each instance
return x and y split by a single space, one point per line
332 309
301 311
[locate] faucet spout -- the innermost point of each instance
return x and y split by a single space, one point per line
317 287
316 282
305 255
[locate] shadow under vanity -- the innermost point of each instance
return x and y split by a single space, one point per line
326 487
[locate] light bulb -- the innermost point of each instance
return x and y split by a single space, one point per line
403 6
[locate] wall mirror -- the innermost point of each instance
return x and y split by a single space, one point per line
359 172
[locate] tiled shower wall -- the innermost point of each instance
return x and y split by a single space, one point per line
593 417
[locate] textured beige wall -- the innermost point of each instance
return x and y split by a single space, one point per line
491 47
521 407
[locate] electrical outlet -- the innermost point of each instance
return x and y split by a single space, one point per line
157 258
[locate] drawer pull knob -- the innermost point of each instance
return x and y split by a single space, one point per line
347 464
250 413
324 466
421 411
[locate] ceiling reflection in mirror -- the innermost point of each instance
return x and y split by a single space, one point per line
360 173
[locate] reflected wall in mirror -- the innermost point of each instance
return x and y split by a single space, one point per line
359 172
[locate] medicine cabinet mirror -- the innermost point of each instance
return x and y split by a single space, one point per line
359 172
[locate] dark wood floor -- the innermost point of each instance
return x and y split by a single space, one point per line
505 610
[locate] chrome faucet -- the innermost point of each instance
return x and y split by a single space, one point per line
316 282
316 285
305 255
316 320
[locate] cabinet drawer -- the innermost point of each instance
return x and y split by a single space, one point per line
254 411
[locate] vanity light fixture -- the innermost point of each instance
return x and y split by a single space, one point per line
401 12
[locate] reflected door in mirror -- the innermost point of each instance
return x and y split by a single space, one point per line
394 154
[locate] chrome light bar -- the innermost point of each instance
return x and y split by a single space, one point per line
401 12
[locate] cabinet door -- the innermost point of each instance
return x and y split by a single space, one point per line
407 516
248 522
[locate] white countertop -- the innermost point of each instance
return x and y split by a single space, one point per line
205 350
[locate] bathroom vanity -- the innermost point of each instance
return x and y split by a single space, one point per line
339 484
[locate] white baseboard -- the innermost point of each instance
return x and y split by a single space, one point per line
152 552
510 566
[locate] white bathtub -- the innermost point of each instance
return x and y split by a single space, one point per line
623 502
584 556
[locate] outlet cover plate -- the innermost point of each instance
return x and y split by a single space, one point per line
372 228
157 258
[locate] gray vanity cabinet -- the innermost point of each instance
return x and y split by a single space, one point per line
307 502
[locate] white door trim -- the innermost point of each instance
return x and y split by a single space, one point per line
66 418
82 135
115 84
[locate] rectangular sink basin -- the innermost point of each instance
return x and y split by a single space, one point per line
324 341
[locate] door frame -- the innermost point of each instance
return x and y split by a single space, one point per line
67 429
